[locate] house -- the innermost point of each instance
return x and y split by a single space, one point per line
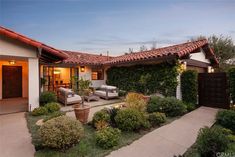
29 67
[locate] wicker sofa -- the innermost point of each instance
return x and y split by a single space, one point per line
107 92
67 96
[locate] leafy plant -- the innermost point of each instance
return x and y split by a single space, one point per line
136 101
101 124
102 115
108 137
39 111
47 97
54 115
231 74
52 107
170 106
189 86
156 118
226 118
163 78
61 132
211 140
153 103
129 119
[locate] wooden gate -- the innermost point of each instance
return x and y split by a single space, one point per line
213 90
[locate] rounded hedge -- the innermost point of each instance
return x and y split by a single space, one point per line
170 106
39 111
107 137
61 132
129 119
211 140
99 116
156 118
47 97
226 118
52 107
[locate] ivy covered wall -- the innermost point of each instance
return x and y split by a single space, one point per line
147 79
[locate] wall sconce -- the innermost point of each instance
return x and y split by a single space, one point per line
210 69
56 71
82 68
12 62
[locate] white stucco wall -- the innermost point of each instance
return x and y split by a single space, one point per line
200 56
33 64
87 75
10 47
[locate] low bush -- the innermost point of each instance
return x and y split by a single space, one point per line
226 118
101 117
54 115
156 118
136 101
170 106
211 140
122 93
190 106
47 97
108 137
52 107
39 111
129 119
153 104
61 132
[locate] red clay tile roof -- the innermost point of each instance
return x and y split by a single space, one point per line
178 51
85 58
26 40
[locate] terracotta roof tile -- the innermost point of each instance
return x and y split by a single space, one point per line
179 51
34 43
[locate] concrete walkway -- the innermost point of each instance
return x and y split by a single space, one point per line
172 139
15 140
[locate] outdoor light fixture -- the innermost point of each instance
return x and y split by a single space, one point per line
12 62
56 71
210 69
82 68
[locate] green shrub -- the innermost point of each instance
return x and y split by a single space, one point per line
102 115
61 132
52 107
190 106
54 115
231 74
211 140
39 111
136 101
169 105
47 97
226 118
156 118
108 137
129 119
153 103
189 86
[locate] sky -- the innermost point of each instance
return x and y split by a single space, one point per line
98 26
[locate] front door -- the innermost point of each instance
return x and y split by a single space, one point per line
12 81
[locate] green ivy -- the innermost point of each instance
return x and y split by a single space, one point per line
231 74
147 79
189 86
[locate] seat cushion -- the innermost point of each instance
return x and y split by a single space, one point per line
103 93
74 98
108 87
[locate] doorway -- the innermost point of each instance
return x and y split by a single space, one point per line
12 81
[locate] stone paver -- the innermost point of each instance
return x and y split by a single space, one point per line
15 140
172 139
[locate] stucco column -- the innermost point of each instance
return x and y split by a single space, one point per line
33 73
178 88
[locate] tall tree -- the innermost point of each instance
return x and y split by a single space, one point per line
224 48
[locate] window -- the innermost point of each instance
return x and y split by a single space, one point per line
97 74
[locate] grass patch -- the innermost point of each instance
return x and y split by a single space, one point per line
87 146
